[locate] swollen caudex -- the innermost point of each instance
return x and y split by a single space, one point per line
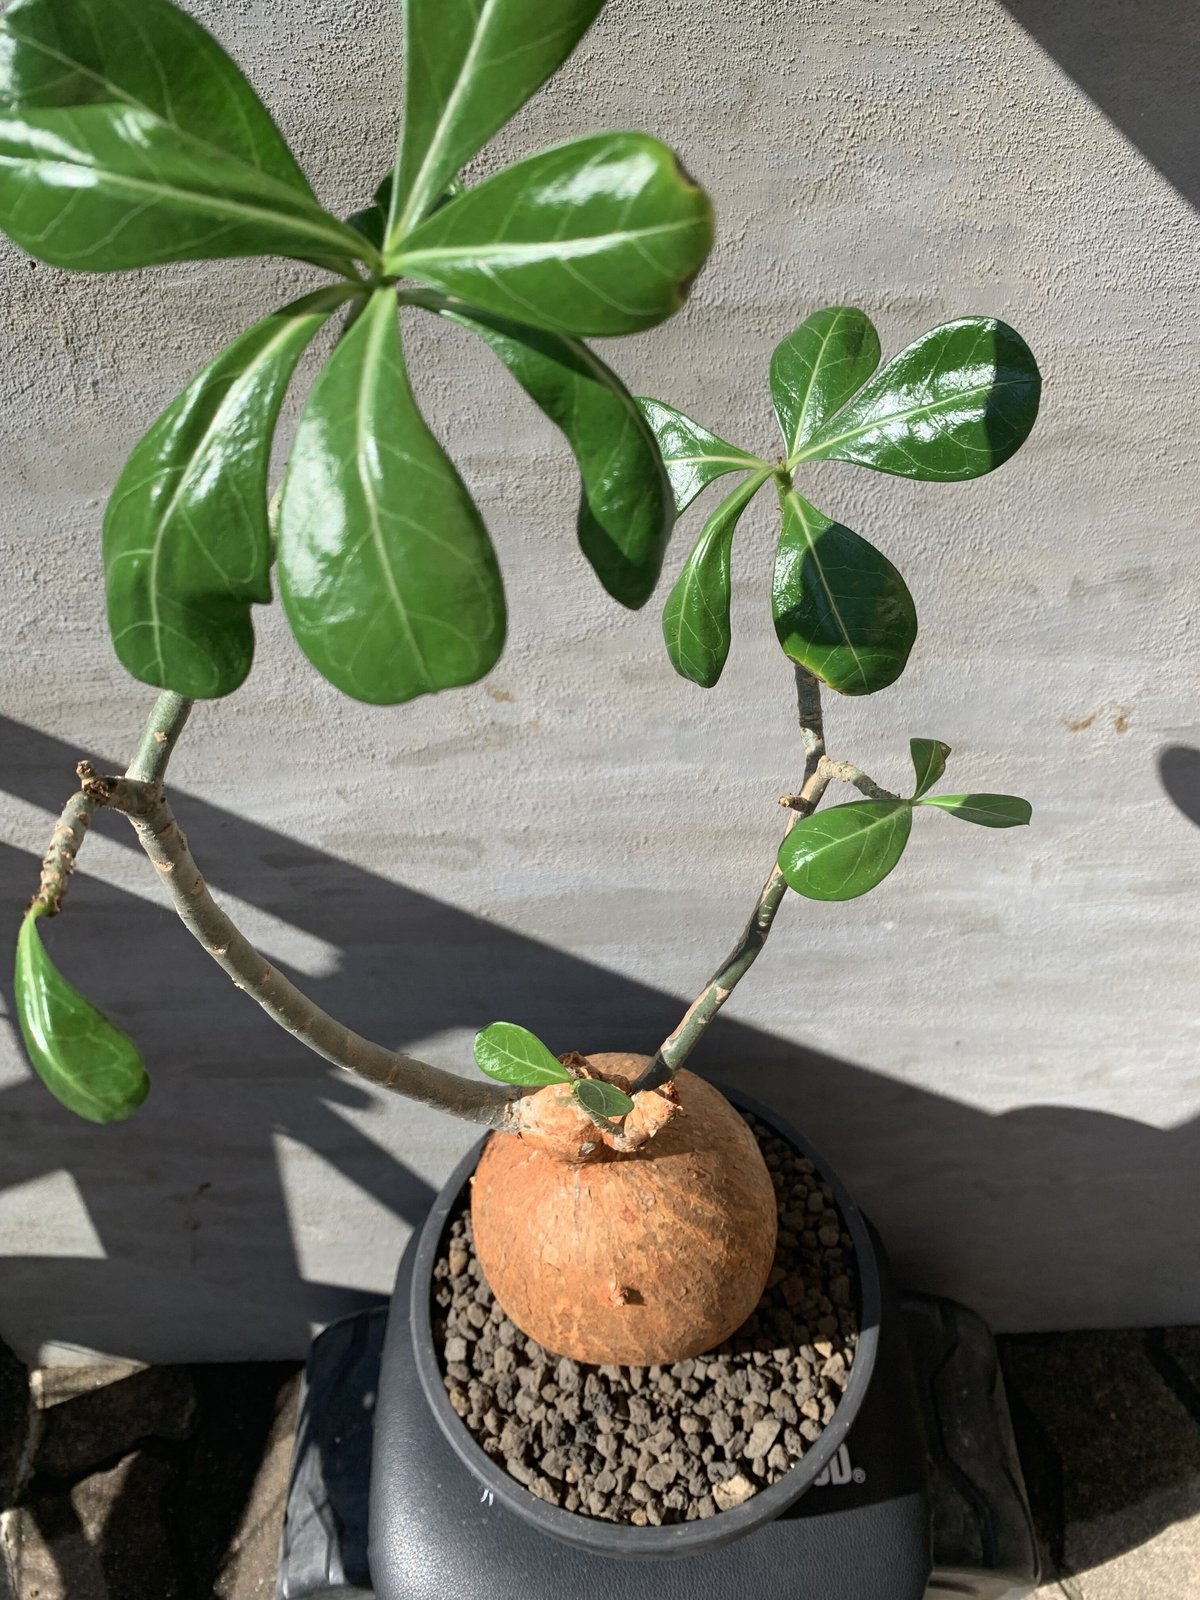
626 1255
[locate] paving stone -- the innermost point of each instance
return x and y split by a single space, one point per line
103 1422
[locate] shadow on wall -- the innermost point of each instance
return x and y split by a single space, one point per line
1139 60
1179 772
1045 1217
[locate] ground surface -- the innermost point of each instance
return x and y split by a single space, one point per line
168 1483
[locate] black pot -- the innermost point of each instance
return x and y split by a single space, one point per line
619 1539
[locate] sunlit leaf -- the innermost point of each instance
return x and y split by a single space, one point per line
954 405
816 370
469 65
625 508
929 763
512 1054
696 615
599 236
601 1098
988 810
693 457
386 570
840 608
128 137
842 853
187 547
88 1064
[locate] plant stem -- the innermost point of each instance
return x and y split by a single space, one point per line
139 796
849 773
676 1048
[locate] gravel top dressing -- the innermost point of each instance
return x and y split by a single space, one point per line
654 1445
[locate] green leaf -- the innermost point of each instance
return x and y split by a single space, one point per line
954 405
696 615
599 236
988 810
386 570
511 1054
625 508
816 370
470 64
602 1099
187 546
840 608
142 55
844 852
693 457
371 222
929 762
88 1064
128 138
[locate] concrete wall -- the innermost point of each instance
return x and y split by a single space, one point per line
998 1048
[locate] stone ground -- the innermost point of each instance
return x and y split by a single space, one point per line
168 1483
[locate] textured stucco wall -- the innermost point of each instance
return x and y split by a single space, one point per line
998 1048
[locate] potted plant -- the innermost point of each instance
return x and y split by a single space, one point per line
624 1216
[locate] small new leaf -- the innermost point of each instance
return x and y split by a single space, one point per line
696 615
83 1059
512 1054
954 405
929 763
988 810
844 852
693 457
601 1098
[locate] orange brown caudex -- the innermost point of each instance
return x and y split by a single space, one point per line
626 1255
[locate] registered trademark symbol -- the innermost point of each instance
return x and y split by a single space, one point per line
859 1475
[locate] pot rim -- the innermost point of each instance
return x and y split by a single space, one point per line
681 1538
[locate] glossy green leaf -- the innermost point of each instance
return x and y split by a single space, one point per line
816 370
470 64
187 546
83 1059
929 763
696 615
602 1099
840 608
625 509
988 810
693 457
599 236
386 570
844 852
512 1054
128 137
142 55
372 220
954 405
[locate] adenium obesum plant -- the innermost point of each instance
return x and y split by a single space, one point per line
623 1211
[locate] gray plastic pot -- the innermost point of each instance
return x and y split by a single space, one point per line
620 1539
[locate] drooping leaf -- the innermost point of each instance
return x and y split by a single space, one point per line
83 1059
988 810
599 236
128 138
602 1099
693 457
842 853
840 608
816 370
386 570
187 546
625 508
469 65
696 615
929 763
954 405
512 1054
